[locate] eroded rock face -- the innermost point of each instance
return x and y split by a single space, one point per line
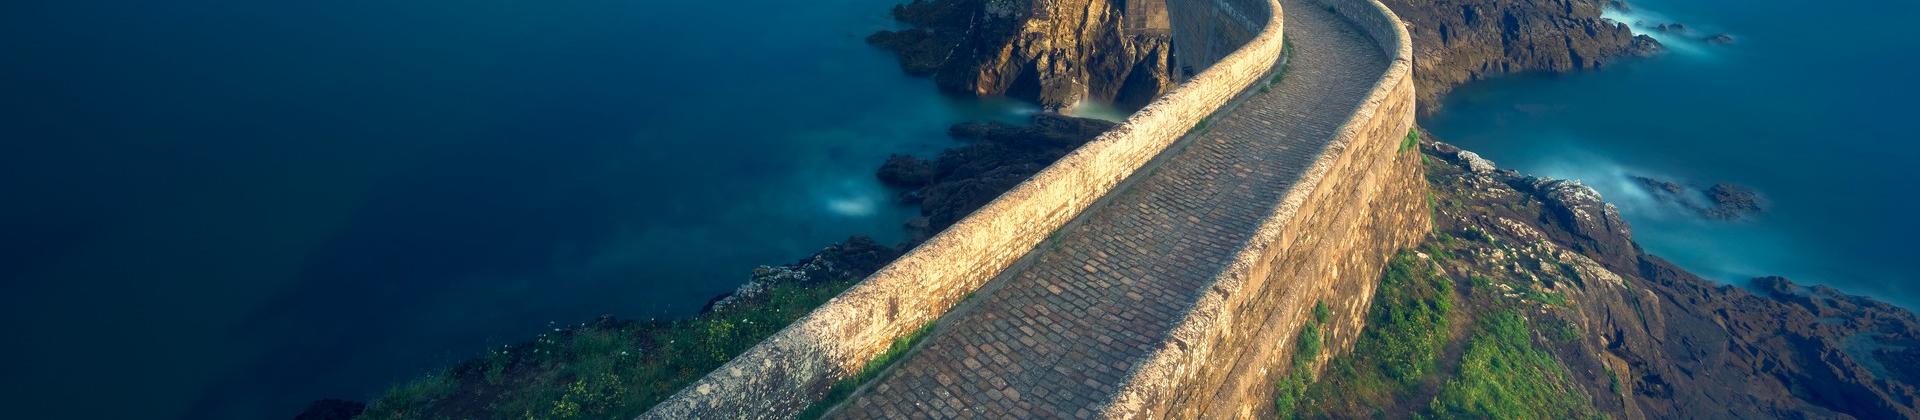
1456 42
1055 52
1655 341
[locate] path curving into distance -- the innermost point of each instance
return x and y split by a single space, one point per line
1057 336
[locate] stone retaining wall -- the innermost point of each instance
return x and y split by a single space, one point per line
1363 199
793 369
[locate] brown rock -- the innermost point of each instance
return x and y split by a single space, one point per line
1055 52
1462 41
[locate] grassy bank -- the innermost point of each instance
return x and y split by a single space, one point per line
603 369
1446 344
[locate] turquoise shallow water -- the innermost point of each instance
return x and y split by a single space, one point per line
220 209
1813 106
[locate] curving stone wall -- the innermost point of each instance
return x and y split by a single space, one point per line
791 370
1363 199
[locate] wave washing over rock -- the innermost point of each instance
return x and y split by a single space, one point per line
1455 42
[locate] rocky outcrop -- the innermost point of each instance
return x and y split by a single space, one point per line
1055 52
855 257
1651 340
1462 41
995 157
1722 201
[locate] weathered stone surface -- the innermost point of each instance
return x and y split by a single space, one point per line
1475 163
1165 301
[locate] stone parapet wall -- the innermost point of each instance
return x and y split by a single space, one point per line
783 375
1207 31
1363 199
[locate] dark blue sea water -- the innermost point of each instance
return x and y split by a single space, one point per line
224 209
1814 106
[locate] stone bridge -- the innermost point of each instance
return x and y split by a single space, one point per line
1162 270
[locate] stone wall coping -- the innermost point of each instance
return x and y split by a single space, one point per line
1176 359
791 370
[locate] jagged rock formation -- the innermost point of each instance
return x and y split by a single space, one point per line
1055 52
1651 340
1455 42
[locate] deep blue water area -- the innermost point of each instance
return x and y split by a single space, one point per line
1813 105
224 209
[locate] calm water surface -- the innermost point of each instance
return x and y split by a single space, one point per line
1813 106
224 209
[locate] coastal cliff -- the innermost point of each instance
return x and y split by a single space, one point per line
1456 42
1531 300
1521 271
1060 52
1056 53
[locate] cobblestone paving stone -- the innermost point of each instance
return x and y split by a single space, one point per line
1057 337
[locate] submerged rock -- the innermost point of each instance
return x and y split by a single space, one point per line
1720 39
1723 201
1731 201
1646 46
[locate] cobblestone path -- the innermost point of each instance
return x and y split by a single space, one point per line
1055 338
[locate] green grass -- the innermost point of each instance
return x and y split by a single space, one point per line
1411 142
1407 328
604 369
1503 375
1286 63
845 387
1291 390
414 398
1534 293
1411 323
1200 127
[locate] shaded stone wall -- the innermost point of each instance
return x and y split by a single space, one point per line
1205 31
784 374
1364 199
1146 17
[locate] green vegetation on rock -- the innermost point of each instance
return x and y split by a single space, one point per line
1406 328
1292 389
845 387
1504 375
1418 354
602 369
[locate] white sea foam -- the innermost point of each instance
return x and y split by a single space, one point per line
1644 21
1097 110
851 198
856 206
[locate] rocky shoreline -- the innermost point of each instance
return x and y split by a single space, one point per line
1464 41
1674 344
1651 339
1056 53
